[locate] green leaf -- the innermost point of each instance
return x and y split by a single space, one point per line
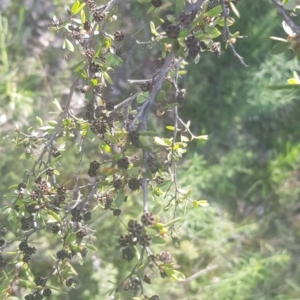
234 9
278 39
54 215
172 222
77 7
221 21
202 203
158 240
170 128
82 16
284 87
212 31
152 28
107 78
70 238
160 141
69 45
142 96
201 137
143 1
57 105
150 10
119 199
109 171
91 247
39 121
279 48
214 11
156 209
161 96
106 42
90 135
179 6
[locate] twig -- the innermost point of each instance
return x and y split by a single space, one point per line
200 273
57 127
227 35
142 115
287 20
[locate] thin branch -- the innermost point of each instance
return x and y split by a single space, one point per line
142 115
227 35
200 273
287 20
57 127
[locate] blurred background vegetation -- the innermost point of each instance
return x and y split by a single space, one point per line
245 245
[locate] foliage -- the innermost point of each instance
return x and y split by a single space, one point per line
226 250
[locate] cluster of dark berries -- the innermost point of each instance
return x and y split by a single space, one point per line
32 208
105 93
42 186
27 251
147 219
123 163
156 3
145 86
117 212
70 282
117 184
98 15
109 106
159 180
21 186
135 235
147 278
185 18
94 167
2 242
89 110
81 233
216 49
47 292
62 254
193 45
134 138
3 231
181 96
106 200
2 262
34 195
119 36
55 229
89 53
94 67
134 184
152 164
98 126
119 52
77 217
172 30
133 284
39 281
86 25
165 257
37 295
128 253
27 223
57 23
90 4
50 172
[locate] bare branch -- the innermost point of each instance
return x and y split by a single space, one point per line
285 18
227 35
